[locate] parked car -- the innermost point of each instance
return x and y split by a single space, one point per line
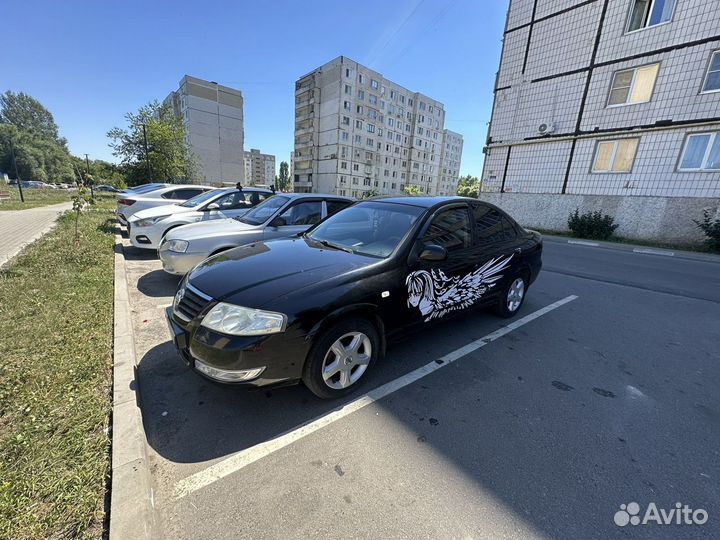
320 307
33 184
279 216
147 227
104 188
132 202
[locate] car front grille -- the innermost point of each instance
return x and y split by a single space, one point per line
192 303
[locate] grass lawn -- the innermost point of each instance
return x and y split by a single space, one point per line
33 197
56 323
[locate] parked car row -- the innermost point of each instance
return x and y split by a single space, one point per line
309 287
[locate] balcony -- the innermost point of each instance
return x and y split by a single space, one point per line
302 130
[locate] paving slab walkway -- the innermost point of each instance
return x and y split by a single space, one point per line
21 227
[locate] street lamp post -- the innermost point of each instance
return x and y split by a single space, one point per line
17 176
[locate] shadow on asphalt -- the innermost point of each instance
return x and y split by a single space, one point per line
158 283
136 254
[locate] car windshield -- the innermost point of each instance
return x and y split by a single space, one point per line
264 210
197 200
367 228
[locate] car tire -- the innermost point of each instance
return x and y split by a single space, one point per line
162 238
512 297
327 373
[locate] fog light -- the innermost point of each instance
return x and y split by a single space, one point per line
228 375
142 239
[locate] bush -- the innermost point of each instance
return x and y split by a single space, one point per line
595 225
711 227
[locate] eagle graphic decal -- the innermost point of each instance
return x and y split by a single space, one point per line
436 294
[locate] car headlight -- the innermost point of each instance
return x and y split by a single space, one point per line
179 246
148 221
241 321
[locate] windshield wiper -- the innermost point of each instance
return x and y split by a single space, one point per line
331 245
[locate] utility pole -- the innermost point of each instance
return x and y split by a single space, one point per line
147 156
87 175
17 176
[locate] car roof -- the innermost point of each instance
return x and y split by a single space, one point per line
422 202
294 196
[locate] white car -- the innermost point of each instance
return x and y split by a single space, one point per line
280 216
132 202
147 227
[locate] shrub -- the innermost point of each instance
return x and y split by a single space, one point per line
595 225
711 227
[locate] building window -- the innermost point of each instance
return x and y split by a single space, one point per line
343 164
348 89
371 128
346 120
373 84
712 77
359 109
361 94
615 156
631 86
358 124
344 135
701 152
372 99
647 13
346 105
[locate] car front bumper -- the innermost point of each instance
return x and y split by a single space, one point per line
180 264
143 237
280 355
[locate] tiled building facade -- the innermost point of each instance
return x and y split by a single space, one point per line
259 168
213 116
357 132
609 98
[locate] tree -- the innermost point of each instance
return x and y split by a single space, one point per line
282 182
169 155
468 186
28 115
37 159
412 190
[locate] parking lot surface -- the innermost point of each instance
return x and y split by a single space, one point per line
544 430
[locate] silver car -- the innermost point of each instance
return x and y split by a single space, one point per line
279 216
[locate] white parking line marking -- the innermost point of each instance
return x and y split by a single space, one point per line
583 243
654 252
242 459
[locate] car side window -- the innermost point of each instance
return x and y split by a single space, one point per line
509 232
488 224
450 229
304 213
259 197
336 206
182 194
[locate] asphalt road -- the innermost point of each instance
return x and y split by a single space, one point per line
544 432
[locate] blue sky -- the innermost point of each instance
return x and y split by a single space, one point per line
91 62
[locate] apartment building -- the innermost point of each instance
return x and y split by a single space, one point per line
357 132
213 116
612 104
259 168
450 156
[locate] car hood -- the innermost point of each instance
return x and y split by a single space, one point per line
257 273
209 229
156 211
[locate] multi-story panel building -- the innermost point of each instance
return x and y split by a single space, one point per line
213 116
450 157
609 98
259 168
358 132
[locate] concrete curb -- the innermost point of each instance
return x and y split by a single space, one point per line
132 510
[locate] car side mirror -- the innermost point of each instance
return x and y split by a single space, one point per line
433 252
212 206
279 221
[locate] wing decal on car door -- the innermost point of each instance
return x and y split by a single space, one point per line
436 294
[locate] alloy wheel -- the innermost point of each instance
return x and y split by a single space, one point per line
515 294
346 360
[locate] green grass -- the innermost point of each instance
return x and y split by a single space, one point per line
56 317
699 248
33 197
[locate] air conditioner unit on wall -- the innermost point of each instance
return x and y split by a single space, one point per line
546 128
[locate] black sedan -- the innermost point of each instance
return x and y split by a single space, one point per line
320 307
